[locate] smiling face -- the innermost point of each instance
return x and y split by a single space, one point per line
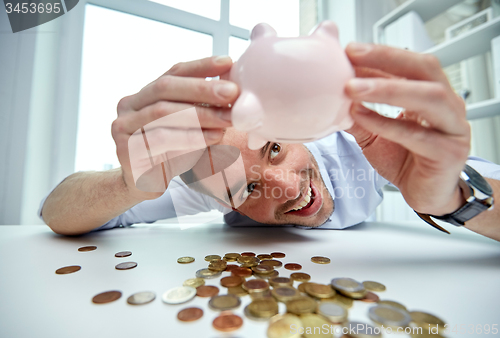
283 184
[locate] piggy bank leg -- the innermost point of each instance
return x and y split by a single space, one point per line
247 113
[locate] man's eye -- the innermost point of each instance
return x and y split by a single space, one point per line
275 150
248 191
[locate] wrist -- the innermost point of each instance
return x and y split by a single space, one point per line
455 203
134 194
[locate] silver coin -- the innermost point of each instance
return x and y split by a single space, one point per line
389 316
179 295
224 302
347 284
140 298
332 311
125 266
252 317
208 274
362 330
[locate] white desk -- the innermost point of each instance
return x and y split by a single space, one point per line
456 277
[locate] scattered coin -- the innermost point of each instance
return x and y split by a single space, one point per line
141 298
320 260
267 275
207 291
373 286
301 305
185 260
285 293
264 257
87 248
361 330
231 257
231 281
300 276
224 302
212 257
389 316
125 266
314 326
249 315
335 313
123 254
293 266
230 267
242 272
190 314
179 295
262 294
207 274
263 269
68 269
255 285
370 297
279 326
319 290
227 322
393 304
425 320
248 254
217 265
194 282
106 297
263 308
237 291
340 300
278 254
349 287
280 281
273 263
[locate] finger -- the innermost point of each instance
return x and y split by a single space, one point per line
433 101
396 61
185 89
372 72
426 142
207 67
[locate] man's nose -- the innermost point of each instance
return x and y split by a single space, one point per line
283 185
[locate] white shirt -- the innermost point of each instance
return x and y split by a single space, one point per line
352 182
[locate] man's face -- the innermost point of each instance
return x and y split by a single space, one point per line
283 183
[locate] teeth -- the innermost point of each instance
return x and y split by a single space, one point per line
305 201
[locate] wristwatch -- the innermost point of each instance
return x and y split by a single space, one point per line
478 195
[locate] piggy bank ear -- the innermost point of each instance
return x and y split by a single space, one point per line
262 30
327 28
247 112
255 141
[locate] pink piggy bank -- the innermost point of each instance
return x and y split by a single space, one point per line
292 89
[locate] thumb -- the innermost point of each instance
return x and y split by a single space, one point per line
363 136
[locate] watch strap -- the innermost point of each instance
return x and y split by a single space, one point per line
463 214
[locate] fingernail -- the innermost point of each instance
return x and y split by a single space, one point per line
359 48
212 134
224 115
361 86
223 59
226 90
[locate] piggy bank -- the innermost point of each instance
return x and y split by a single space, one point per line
292 89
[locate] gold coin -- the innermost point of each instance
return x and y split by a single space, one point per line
263 307
349 287
340 300
280 281
262 269
224 302
320 260
302 287
426 320
232 256
264 257
373 286
210 258
301 305
389 316
285 293
273 263
314 326
300 276
237 291
217 265
185 260
207 274
262 294
319 290
255 285
87 248
194 282
279 326
267 275
246 259
392 303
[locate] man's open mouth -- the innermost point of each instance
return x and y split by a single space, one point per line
310 203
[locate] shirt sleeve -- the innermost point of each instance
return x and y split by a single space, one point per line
485 168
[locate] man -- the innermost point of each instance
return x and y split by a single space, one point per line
422 153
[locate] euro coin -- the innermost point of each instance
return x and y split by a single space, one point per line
194 282
87 248
389 316
335 313
302 287
370 297
272 262
373 286
242 272
123 254
285 293
190 314
106 297
340 300
217 265
231 281
314 326
263 307
349 287
361 330
185 260
212 257
207 274
279 326
237 291
320 260
230 267
280 281
255 285
319 290
262 269
227 322
68 269
267 275
300 276
232 256
141 298
293 266
179 295
207 291
224 302
247 259
392 303
248 254
426 320
249 315
126 266
278 254
264 257
301 305
261 294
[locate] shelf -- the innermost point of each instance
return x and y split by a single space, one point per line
486 108
427 9
474 42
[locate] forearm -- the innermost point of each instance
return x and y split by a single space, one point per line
87 200
487 223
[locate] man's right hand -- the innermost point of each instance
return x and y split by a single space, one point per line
182 87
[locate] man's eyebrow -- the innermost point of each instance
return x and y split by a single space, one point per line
263 150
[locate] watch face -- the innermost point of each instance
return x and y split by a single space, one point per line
478 181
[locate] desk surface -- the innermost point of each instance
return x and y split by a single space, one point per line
455 277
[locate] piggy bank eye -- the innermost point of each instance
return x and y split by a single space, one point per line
275 150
